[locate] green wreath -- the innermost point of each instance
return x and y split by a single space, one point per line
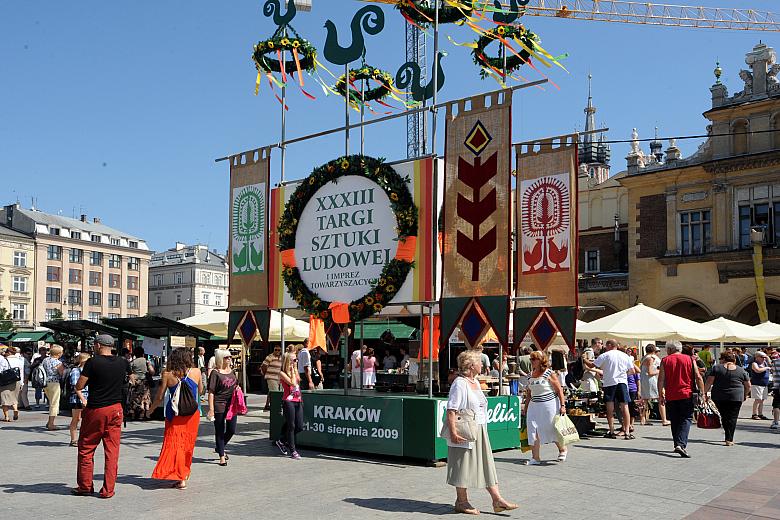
420 13
394 273
268 48
367 73
513 62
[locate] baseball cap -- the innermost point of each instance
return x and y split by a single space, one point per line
105 339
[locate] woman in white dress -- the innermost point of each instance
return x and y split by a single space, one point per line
542 403
648 384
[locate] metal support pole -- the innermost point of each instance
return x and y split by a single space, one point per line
434 213
362 117
281 330
345 333
284 118
362 335
346 110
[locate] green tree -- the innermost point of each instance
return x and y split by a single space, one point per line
6 322
56 315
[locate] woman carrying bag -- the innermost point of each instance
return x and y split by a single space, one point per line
542 403
730 386
222 385
470 461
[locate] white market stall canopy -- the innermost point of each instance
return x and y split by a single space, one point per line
768 326
216 322
735 332
645 323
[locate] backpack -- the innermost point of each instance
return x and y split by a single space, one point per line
183 402
577 369
38 376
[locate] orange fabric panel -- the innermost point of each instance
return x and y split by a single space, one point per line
288 258
406 249
427 334
339 312
317 333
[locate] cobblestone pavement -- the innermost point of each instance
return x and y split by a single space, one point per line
602 478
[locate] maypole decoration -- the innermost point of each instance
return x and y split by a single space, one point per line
365 73
421 14
270 55
345 225
499 65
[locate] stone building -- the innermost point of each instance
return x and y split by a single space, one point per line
690 218
83 269
187 280
17 280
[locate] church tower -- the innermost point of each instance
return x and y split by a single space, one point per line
593 154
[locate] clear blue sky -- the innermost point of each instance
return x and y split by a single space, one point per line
118 109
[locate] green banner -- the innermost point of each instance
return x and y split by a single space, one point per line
503 413
370 425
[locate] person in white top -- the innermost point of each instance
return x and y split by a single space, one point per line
9 394
304 366
354 366
615 366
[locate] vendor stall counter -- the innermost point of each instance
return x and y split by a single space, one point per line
404 425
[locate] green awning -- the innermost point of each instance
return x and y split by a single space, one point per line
374 330
5 335
31 337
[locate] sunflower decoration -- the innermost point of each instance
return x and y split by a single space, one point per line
366 73
522 37
422 13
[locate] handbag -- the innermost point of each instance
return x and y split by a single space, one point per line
524 446
565 430
9 375
237 404
465 426
709 418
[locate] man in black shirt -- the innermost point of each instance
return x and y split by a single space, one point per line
102 418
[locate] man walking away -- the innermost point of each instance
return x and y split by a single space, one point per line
102 418
759 381
270 368
676 379
615 366
304 366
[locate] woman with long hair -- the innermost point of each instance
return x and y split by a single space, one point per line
77 399
369 369
221 386
181 431
140 391
543 401
292 407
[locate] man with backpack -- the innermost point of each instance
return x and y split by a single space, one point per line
37 359
102 418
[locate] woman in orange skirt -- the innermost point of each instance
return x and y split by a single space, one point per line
181 431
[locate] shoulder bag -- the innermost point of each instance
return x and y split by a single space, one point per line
9 375
465 423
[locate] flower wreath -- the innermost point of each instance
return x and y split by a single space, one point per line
513 60
394 273
267 52
420 13
366 72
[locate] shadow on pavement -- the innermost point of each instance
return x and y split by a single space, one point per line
720 443
146 483
43 444
41 488
630 450
402 505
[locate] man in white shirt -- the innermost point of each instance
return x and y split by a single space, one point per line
615 366
304 366
354 364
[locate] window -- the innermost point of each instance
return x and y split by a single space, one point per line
75 235
177 277
74 275
207 278
53 273
113 280
76 256
158 279
96 258
54 231
74 315
115 261
695 232
133 244
20 259
756 215
51 314
115 242
112 315
178 299
132 263
96 238
218 299
20 284
94 316
218 279
159 300
206 298
19 311
95 279
113 300
53 295
592 261
132 301
95 298
132 282
74 297
54 252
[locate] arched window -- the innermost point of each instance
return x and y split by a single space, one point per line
739 137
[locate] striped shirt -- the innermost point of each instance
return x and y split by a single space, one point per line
776 372
541 388
274 364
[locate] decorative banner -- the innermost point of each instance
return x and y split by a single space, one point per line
248 238
476 238
547 231
278 297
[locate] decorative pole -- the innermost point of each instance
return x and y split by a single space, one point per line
434 198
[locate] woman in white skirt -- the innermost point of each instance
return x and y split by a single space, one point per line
470 464
369 369
542 403
648 383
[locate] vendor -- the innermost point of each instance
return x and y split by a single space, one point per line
389 362
404 364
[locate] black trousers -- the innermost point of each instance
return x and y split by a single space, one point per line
223 431
729 413
293 422
680 414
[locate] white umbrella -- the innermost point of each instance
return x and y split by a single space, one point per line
645 323
216 322
768 326
736 332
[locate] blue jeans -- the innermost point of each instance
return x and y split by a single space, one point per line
680 414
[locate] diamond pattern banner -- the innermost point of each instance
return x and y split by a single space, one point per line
247 329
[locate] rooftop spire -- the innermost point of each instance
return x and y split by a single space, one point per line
592 148
590 113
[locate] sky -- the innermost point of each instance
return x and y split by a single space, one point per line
119 109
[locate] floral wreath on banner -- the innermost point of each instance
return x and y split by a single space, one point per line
515 60
394 273
420 13
267 54
368 73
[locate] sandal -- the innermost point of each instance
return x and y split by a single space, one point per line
629 437
466 508
74 444
179 485
562 456
610 435
509 506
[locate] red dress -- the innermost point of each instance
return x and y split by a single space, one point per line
175 460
